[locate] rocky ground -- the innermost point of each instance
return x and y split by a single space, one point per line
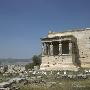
56 81
53 80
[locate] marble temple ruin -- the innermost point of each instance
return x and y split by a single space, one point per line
67 50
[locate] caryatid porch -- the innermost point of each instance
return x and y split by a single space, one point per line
58 45
57 52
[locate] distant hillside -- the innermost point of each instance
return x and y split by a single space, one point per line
15 61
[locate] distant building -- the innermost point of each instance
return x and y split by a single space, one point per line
66 50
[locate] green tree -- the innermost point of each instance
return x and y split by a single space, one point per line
36 60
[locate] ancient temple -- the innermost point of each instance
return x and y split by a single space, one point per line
66 50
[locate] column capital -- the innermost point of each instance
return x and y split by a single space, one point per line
60 40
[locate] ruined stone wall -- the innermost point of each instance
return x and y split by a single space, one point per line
83 43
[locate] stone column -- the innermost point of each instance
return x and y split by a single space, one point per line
45 49
42 49
48 49
60 48
51 49
70 47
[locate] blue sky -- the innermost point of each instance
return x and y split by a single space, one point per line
24 22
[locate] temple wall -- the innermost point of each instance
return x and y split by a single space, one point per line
57 59
57 62
83 43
